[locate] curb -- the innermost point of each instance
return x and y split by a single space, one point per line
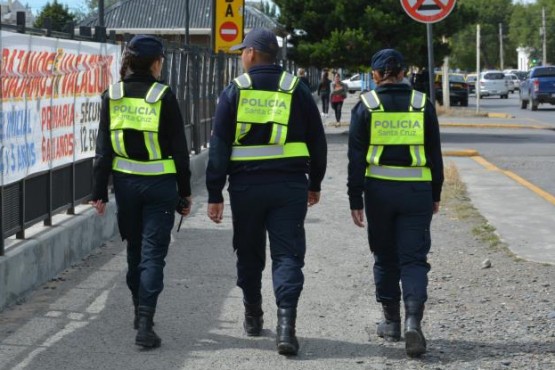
495 125
460 153
499 115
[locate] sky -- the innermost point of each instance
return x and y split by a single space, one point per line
37 5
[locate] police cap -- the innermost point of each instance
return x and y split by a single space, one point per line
387 59
261 39
145 46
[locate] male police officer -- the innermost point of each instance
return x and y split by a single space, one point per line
267 136
395 158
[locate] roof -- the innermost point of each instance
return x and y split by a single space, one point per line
168 16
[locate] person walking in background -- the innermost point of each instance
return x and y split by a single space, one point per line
141 142
301 73
339 92
400 172
267 154
324 93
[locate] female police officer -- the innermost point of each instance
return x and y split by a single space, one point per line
141 141
395 159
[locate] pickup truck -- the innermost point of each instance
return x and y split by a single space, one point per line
538 88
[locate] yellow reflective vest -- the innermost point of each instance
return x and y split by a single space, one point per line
397 128
139 114
259 107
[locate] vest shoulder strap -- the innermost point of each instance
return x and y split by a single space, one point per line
156 92
288 82
370 100
418 100
115 91
243 81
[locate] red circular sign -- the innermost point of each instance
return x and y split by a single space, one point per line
428 11
229 31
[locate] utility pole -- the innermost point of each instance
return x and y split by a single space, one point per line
477 68
101 13
544 57
501 46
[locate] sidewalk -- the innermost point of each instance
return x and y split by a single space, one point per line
476 318
501 317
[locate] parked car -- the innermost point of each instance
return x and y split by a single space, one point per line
471 82
538 88
493 83
353 83
458 89
514 82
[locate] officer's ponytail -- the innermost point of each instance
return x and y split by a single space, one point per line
135 64
392 69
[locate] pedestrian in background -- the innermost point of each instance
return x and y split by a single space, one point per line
301 73
395 160
267 154
141 142
339 92
324 93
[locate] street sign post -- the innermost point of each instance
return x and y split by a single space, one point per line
429 11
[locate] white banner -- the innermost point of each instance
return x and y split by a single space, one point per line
50 101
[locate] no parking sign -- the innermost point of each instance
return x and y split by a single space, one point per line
428 11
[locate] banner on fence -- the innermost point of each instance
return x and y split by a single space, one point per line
50 101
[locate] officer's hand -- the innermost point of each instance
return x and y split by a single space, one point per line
436 207
358 217
313 198
184 206
99 205
215 212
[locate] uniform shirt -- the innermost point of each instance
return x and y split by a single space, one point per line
394 98
305 125
171 135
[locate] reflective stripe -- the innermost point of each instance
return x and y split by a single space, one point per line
115 92
118 143
152 145
279 133
243 81
166 166
155 93
261 152
399 173
288 82
418 100
374 150
371 100
240 131
418 159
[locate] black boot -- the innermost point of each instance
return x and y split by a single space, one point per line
286 340
253 319
146 337
390 328
415 343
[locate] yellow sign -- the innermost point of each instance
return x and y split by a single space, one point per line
228 24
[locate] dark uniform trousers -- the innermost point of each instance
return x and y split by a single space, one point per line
279 208
399 215
146 206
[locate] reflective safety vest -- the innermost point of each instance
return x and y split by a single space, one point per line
260 107
397 128
139 114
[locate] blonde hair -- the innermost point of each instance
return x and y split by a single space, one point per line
301 72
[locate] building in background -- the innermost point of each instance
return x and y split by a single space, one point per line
9 11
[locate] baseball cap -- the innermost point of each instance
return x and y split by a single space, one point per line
145 46
387 58
261 39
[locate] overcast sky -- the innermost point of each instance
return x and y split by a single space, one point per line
37 5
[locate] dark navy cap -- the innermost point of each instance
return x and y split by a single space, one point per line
145 46
261 39
387 58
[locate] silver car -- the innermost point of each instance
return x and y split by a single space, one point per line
514 82
492 83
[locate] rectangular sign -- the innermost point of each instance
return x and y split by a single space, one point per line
228 24
50 101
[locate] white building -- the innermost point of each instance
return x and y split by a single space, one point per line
9 11
523 58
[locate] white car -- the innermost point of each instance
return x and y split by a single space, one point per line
491 83
353 83
514 82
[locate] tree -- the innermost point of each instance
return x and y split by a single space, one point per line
93 4
346 33
58 13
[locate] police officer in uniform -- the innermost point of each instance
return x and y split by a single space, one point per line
267 136
141 142
395 160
